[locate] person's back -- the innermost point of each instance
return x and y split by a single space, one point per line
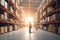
30 26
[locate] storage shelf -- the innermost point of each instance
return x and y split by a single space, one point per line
12 4
8 11
51 22
49 16
7 22
51 13
51 3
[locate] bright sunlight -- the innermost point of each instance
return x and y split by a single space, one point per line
29 19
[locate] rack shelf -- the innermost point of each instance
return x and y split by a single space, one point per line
7 22
51 3
12 4
8 11
51 13
51 22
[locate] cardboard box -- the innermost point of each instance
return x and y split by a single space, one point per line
2 30
10 28
59 30
5 29
41 26
44 28
2 2
49 9
52 17
44 4
50 28
16 27
53 27
44 13
5 15
6 5
1 16
46 19
48 1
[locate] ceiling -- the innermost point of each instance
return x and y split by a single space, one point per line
30 6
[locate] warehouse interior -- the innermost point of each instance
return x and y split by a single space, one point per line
44 15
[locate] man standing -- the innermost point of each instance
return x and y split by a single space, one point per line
30 26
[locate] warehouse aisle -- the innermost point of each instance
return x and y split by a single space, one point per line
23 34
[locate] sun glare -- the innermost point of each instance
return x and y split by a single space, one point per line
29 19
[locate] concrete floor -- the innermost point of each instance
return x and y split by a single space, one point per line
23 34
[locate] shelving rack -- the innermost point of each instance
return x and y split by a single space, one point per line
49 15
8 19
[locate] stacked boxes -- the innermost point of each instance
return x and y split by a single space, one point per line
5 29
40 26
57 25
59 30
44 27
51 28
48 1
6 4
44 13
13 1
44 4
49 9
50 16
2 30
2 16
5 16
8 15
16 27
10 28
2 2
